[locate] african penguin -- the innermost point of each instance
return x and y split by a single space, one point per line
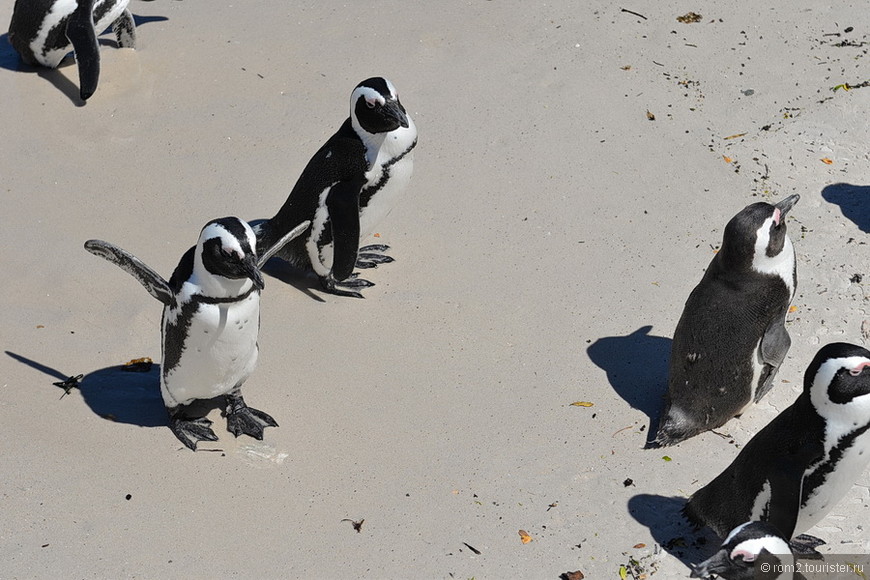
352 182
802 463
731 338
45 31
211 321
745 547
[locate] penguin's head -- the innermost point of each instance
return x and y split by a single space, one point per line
838 380
375 107
226 250
743 549
757 236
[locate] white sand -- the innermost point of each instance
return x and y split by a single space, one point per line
546 216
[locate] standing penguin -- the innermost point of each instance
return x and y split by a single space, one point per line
347 187
211 321
731 338
804 461
745 547
44 31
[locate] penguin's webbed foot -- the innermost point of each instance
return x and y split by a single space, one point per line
353 282
372 256
191 431
804 546
244 419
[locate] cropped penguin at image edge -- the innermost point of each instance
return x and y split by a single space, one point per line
210 326
348 186
44 31
798 467
731 338
752 551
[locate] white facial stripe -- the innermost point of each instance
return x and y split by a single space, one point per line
782 264
750 549
229 242
735 531
841 418
370 95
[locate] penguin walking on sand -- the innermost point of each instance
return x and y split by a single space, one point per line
44 31
747 546
352 182
793 472
731 338
211 321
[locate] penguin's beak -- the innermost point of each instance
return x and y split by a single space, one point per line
716 564
785 205
394 110
249 267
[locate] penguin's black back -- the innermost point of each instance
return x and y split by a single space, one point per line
183 271
724 318
341 158
779 454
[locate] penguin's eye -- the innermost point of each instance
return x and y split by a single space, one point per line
370 104
857 371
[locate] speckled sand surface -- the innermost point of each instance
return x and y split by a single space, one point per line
544 249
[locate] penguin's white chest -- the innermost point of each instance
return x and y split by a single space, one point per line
218 350
836 484
388 195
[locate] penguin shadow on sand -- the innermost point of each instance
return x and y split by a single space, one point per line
671 530
853 201
637 368
113 393
9 60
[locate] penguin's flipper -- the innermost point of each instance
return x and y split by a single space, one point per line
774 346
342 203
125 30
372 256
288 237
80 32
244 419
151 280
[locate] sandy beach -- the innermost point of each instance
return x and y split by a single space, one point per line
576 166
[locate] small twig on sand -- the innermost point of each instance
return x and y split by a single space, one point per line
633 12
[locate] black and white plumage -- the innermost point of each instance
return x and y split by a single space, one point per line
352 182
731 338
210 325
45 31
746 546
804 461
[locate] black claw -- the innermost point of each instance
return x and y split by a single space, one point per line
244 419
192 431
368 260
333 286
375 248
354 282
